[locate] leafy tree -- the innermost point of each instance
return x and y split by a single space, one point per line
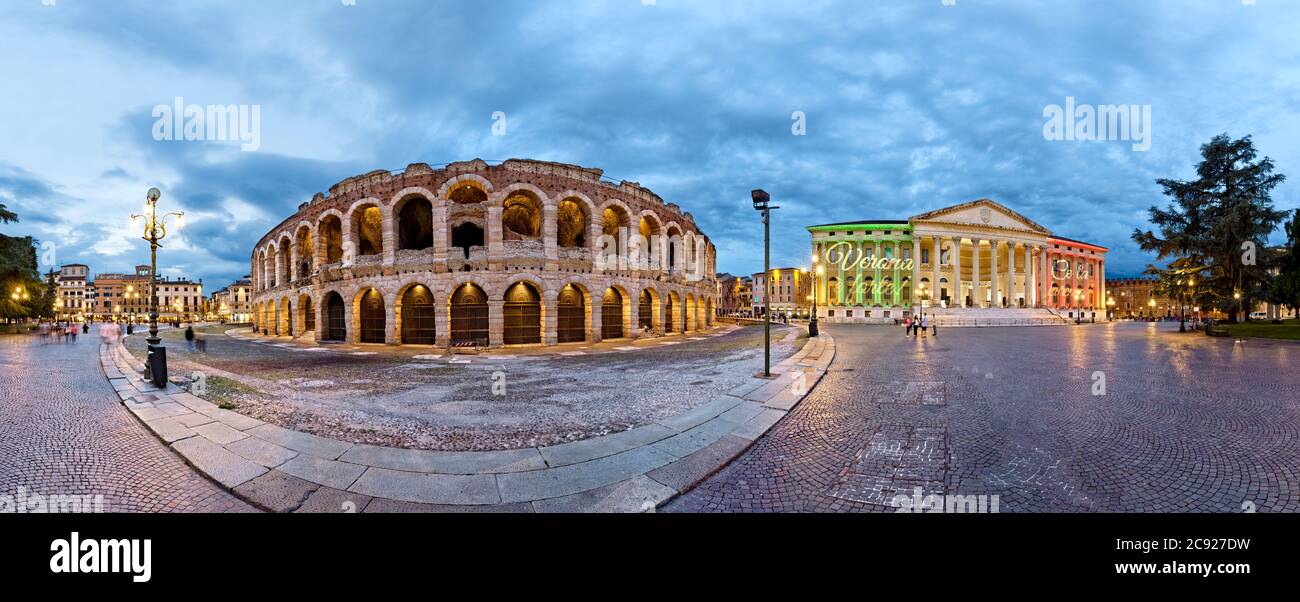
18 272
1286 286
1212 217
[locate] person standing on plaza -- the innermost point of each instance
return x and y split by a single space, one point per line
925 324
189 338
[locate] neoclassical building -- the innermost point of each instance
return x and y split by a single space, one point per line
524 252
978 256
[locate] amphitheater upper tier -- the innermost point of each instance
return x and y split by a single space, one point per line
524 252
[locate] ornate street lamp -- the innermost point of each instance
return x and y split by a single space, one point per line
155 229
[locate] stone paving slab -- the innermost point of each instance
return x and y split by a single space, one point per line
416 460
599 447
759 424
285 470
638 494
685 473
168 429
219 433
276 491
693 418
320 447
217 462
575 478
691 441
263 452
428 488
327 500
339 475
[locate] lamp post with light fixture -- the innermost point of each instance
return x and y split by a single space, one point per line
818 270
155 229
762 202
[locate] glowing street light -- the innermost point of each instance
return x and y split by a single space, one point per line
155 229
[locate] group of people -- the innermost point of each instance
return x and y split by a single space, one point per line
918 326
67 331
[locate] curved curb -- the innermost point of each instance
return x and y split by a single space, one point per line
637 470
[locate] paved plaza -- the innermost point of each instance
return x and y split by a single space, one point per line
517 397
63 431
1187 423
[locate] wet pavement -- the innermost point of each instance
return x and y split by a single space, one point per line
1126 417
63 432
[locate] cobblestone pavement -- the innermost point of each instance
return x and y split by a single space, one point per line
1187 423
64 432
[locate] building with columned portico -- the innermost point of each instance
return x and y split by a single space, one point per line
973 264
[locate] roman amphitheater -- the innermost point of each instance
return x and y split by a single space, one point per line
472 254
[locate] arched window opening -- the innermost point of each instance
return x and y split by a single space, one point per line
418 324
372 317
571 225
415 224
469 316
522 315
571 323
611 315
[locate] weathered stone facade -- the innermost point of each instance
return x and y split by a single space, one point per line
484 254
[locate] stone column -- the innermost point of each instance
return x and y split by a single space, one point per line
994 276
495 246
1029 269
935 254
389 222
1044 278
441 320
390 320
1011 274
632 330
549 245
293 261
1101 278
976 297
550 320
596 315
1074 281
916 271
496 320
876 292
440 235
959 300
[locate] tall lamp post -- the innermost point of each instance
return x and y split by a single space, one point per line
818 270
155 229
762 202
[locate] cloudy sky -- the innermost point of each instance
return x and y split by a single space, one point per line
910 105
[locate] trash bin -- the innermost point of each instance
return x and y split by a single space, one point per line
157 364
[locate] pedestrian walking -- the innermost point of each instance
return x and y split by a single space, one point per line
201 342
189 338
925 324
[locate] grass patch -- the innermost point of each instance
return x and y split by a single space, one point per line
1288 329
225 392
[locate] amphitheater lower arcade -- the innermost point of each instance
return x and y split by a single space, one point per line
520 253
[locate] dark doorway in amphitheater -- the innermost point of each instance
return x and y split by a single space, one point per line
415 224
308 314
611 315
372 317
469 315
570 325
669 315
645 312
522 315
417 316
335 318
467 235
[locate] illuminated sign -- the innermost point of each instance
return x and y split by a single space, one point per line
849 258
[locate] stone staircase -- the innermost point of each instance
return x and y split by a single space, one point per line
958 317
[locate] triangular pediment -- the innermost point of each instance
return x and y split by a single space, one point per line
982 212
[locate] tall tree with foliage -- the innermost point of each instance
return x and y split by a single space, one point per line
21 290
1211 218
1286 286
